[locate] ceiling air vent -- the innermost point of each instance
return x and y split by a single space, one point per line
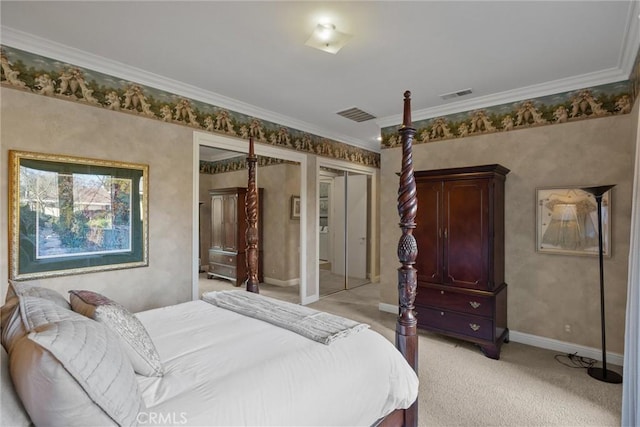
456 94
356 114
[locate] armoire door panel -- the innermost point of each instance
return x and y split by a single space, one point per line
466 224
230 223
428 233
217 222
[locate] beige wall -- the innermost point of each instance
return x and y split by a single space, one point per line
545 291
36 123
281 234
46 124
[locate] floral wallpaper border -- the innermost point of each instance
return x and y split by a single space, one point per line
49 77
600 101
595 102
237 164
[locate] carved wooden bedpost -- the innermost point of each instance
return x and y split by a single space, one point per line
406 326
251 210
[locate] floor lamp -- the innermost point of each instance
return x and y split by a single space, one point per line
602 374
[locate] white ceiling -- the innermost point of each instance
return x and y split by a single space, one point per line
250 57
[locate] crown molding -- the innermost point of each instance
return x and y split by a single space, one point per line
225 155
628 52
610 75
60 52
631 43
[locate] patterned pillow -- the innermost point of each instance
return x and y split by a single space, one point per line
134 337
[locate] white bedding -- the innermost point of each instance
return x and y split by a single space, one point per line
222 368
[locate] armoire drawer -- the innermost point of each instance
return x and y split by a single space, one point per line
222 258
472 304
449 321
222 270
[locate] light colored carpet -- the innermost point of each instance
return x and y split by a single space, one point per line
329 283
459 386
285 293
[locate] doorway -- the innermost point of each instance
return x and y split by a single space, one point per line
344 215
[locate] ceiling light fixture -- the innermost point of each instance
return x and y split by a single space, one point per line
326 38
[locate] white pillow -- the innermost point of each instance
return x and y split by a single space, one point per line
134 337
13 412
13 325
72 371
33 290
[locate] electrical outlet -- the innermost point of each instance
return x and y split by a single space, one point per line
567 328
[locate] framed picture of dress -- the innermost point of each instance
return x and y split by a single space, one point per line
567 222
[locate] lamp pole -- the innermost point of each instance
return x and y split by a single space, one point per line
602 374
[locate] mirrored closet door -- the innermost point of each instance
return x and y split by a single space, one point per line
344 227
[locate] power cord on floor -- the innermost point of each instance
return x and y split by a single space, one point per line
572 360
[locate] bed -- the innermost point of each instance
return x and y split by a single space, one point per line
220 360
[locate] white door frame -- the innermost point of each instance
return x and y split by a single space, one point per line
372 226
242 146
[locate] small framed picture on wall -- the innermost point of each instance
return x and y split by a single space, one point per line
295 207
567 222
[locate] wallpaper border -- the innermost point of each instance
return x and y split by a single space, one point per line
46 76
595 102
49 77
588 103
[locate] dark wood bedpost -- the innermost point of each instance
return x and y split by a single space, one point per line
406 326
251 210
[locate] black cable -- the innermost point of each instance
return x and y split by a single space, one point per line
575 361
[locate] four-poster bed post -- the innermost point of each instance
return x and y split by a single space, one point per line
406 325
251 210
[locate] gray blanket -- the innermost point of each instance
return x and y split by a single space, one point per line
316 325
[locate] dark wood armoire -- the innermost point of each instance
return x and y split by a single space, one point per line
227 253
460 234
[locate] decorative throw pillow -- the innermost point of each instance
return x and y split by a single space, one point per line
70 370
33 290
13 325
11 322
135 338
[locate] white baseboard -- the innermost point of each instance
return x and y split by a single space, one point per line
543 342
278 282
389 308
565 347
